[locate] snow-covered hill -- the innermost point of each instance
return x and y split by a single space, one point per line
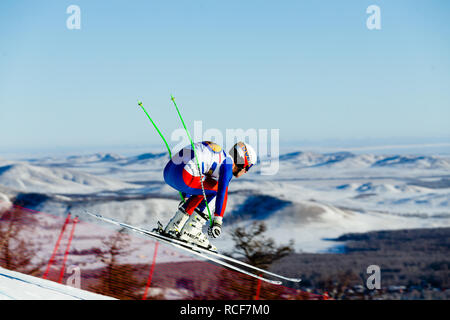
18 286
352 161
31 178
313 196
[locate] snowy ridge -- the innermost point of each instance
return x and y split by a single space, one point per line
26 177
18 286
312 197
299 158
350 160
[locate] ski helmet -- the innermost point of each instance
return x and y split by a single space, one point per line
244 156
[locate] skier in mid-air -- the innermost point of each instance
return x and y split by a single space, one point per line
217 169
214 169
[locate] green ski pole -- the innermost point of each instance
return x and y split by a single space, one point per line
196 158
162 137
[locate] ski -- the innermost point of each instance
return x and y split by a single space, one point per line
213 253
191 249
199 251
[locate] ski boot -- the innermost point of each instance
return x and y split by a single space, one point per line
192 231
176 224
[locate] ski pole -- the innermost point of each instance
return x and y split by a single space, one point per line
196 158
162 137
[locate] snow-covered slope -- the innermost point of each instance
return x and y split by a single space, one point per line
18 286
5 203
30 178
312 196
350 160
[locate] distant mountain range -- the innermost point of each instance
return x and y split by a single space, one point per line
350 160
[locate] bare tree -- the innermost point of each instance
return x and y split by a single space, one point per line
16 251
255 248
117 280
252 246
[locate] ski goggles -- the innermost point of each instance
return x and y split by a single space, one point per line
245 167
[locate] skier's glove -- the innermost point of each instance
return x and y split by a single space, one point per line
216 228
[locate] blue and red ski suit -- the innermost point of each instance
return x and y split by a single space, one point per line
182 173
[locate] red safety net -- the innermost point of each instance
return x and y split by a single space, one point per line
103 259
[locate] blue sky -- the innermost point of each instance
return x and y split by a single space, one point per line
309 68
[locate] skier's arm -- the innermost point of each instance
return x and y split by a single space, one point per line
225 175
